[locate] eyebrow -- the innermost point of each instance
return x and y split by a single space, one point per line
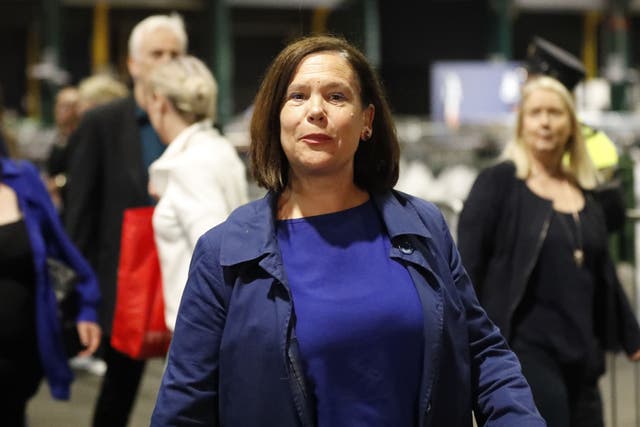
331 85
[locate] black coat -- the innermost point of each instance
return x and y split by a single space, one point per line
500 259
105 176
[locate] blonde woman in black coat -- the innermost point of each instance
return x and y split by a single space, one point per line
534 242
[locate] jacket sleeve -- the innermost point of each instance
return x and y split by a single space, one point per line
502 397
619 327
477 225
188 394
615 320
59 246
82 200
628 328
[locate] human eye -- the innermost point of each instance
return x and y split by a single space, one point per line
532 112
337 97
295 96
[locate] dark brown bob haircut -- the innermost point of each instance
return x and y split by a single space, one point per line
376 160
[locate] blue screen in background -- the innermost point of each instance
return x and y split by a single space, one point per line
474 91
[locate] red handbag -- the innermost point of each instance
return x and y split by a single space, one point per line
139 329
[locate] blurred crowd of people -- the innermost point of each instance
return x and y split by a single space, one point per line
107 142
335 300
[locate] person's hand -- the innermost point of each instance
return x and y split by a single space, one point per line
634 357
90 334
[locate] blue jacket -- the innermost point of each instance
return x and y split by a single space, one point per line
48 239
234 362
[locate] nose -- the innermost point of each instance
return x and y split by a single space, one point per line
545 118
166 56
316 109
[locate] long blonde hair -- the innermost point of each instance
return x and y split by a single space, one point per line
579 166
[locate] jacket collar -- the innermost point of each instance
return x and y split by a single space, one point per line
250 232
12 171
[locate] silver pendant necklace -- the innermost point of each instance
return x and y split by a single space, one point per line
578 251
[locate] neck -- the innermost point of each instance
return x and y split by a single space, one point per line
319 195
139 95
172 126
546 166
67 130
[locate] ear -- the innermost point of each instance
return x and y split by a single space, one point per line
132 66
368 115
367 122
165 105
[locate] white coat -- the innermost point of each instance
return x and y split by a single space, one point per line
200 179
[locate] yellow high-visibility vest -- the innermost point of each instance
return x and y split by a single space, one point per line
601 149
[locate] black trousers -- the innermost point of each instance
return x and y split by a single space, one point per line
564 394
12 412
20 377
119 388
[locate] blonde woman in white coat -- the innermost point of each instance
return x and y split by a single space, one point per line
199 179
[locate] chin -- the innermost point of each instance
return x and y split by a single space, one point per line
547 147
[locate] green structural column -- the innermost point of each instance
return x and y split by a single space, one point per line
500 27
617 52
222 57
372 46
50 51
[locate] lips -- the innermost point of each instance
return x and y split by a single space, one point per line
316 138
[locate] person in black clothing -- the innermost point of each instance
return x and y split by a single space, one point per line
534 242
31 338
109 156
546 59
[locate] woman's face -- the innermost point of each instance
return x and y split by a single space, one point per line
546 122
322 119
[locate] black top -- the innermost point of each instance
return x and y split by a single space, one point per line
20 369
17 287
557 311
498 239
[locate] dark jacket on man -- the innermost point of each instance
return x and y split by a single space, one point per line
106 176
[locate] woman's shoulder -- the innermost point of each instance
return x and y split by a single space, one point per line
249 216
17 167
423 206
209 146
243 235
502 170
20 173
495 179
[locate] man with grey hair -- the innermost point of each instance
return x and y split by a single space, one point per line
109 156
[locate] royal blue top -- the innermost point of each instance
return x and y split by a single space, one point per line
349 295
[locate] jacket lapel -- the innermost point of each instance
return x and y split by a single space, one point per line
412 243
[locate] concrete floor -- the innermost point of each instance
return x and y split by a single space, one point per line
43 411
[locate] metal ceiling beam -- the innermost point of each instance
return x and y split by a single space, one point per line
141 4
200 4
